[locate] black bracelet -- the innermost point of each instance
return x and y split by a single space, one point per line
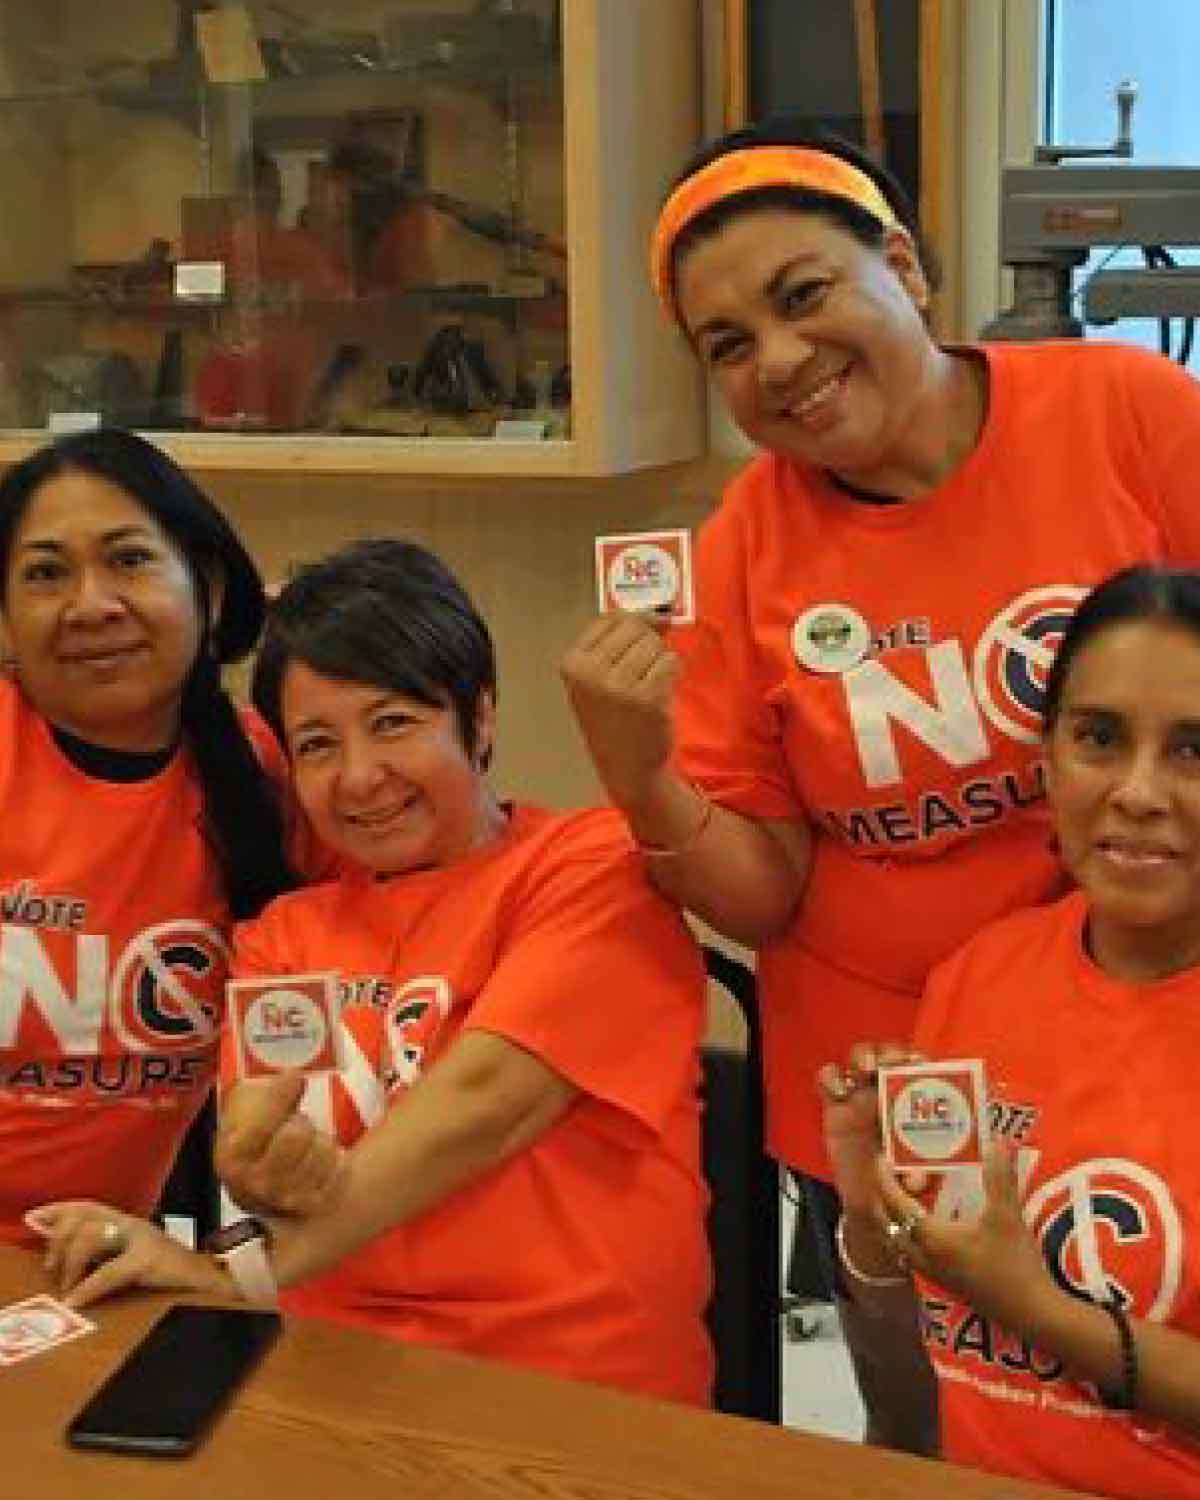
1124 1397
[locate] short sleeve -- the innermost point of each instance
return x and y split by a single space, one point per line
599 978
728 735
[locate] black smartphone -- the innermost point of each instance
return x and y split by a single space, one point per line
171 1385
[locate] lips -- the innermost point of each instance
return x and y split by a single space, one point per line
1137 854
381 818
816 405
99 655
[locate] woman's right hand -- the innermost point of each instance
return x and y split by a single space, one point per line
850 1097
94 1251
620 676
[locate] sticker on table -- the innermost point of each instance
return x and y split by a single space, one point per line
934 1114
646 570
37 1324
286 1023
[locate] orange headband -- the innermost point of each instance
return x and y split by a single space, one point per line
743 171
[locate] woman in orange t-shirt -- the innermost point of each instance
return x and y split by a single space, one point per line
839 763
521 1017
1059 1285
136 822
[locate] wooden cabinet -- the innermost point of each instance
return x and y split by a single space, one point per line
347 236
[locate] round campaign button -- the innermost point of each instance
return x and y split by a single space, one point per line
643 576
285 1028
933 1118
830 638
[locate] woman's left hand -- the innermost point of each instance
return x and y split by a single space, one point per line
93 1250
994 1262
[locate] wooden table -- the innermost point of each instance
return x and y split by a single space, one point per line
334 1413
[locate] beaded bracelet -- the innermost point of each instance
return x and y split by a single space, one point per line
839 1235
1124 1397
662 851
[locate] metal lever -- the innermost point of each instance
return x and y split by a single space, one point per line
1126 95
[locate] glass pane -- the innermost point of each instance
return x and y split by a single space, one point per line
340 216
1095 45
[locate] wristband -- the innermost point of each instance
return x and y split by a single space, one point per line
242 1249
839 1235
662 851
1124 1396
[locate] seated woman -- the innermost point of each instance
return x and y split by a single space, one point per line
135 820
1059 1289
522 1015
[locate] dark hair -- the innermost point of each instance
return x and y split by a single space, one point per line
797 130
1143 592
384 612
242 819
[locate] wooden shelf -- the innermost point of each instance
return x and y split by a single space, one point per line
482 457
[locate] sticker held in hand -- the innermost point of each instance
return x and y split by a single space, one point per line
646 571
290 1022
934 1114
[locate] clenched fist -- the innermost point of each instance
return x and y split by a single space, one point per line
620 676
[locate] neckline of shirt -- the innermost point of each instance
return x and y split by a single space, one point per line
838 500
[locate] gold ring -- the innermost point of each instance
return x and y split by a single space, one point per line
112 1238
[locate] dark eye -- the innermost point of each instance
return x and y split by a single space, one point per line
306 746
45 570
1188 746
801 296
1098 734
393 721
725 350
131 558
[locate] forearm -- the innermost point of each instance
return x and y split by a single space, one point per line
1085 1338
458 1123
733 873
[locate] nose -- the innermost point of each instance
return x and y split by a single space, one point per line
1141 790
93 600
782 351
359 769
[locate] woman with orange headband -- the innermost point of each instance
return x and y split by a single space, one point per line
839 764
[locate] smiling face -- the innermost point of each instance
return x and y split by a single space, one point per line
815 340
101 614
384 778
1124 782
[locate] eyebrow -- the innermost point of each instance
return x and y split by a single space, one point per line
318 723
117 534
771 289
1098 711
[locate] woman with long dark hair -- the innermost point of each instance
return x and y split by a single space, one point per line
136 818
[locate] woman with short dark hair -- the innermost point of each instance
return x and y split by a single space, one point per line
521 1016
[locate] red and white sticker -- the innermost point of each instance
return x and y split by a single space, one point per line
934 1114
289 1022
646 570
35 1325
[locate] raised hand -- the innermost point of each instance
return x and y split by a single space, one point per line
994 1262
850 1096
620 676
271 1159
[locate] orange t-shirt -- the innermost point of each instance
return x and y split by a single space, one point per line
878 670
586 1253
1093 1080
113 959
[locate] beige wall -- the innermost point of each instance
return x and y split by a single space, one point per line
523 549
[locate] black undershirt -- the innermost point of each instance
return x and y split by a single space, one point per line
104 764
